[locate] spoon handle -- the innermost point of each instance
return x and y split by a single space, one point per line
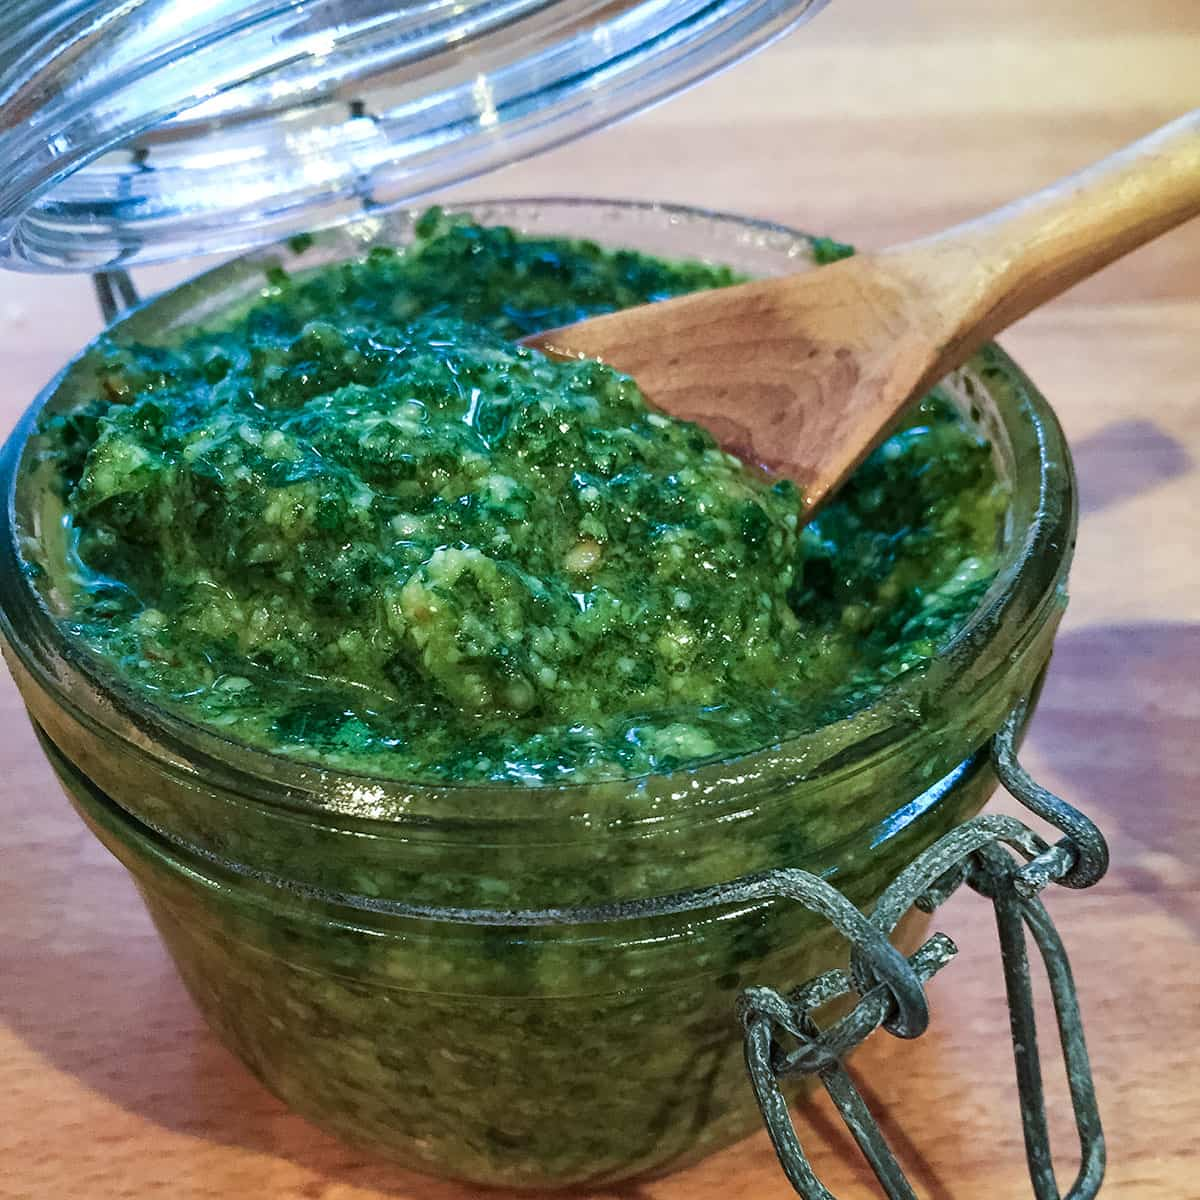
989 272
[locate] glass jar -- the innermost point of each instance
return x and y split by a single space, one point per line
516 999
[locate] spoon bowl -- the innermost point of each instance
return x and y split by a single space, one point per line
805 374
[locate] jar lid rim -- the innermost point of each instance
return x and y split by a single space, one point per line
147 130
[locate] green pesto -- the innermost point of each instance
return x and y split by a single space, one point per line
355 522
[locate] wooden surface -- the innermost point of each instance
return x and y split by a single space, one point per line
883 120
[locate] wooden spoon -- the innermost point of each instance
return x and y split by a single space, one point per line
805 374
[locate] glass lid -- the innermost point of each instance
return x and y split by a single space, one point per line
141 130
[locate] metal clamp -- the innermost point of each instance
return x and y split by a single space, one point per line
1000 858
115 293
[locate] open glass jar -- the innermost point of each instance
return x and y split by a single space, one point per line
542 995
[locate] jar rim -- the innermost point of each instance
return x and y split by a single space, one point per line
350 910
1004 626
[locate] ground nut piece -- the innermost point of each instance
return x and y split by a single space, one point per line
583 557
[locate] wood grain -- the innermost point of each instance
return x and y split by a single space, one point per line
880 122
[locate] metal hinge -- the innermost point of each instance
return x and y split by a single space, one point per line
997 857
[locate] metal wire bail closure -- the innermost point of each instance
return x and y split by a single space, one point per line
997 857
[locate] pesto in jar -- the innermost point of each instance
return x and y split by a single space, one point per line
355 522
